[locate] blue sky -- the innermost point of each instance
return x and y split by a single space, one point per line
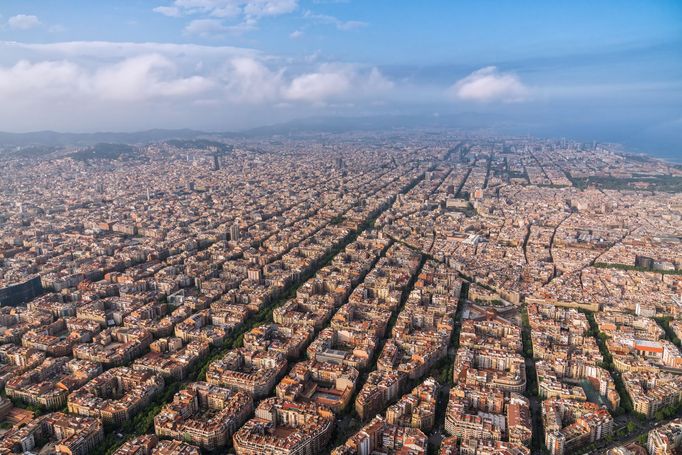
609 69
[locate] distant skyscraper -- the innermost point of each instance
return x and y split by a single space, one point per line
338 162
234 232
216 162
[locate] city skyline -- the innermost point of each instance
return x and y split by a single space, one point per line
610 71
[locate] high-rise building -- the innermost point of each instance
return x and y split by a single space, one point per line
234 232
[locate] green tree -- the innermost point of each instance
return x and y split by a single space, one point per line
631 427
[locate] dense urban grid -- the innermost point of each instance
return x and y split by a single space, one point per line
393 293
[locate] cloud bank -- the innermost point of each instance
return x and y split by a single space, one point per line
107 78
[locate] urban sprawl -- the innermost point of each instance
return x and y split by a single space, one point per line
395 293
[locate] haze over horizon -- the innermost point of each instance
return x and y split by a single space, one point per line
608 70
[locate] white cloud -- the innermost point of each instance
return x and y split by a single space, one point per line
206 27
131 80
145 77
331 82
215 8
376 82
296 34
350 25
23 22
246 80
489 85
26 81
229 8
142 71
210 17
215 18
82 83
338 23
317 87
247 25
170 11
260 8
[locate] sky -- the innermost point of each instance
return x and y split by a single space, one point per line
608 70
